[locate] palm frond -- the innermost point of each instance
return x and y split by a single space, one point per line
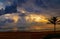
58 21
51 21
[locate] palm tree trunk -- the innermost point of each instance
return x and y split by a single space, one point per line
54 27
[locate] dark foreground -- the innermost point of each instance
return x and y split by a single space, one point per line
27 35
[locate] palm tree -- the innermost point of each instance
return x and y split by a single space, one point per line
54 21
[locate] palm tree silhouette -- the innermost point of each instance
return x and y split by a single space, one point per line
54 21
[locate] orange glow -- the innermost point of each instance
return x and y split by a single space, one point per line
35 27
15 18
14 29
36 18
22 11
12 16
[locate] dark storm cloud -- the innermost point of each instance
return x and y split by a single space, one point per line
53 6
41 6
20 2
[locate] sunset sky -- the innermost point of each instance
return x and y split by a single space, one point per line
36 13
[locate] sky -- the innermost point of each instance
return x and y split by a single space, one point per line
43 7
40 6
50 7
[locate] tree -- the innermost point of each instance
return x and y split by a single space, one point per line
54 21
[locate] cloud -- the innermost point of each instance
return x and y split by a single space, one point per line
44 7
49 7
1 5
